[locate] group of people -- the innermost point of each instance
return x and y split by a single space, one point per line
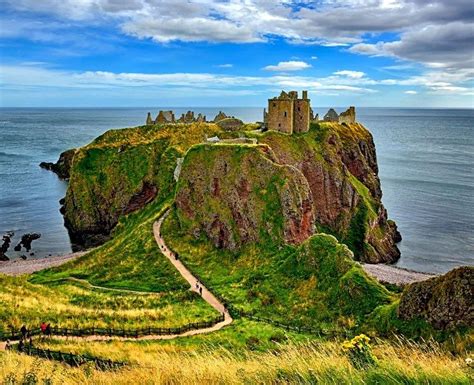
26 338
198 287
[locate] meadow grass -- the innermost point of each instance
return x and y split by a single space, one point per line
309 362
73 305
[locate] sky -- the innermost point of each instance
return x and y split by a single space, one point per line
137 53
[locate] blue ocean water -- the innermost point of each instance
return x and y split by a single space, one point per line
425 156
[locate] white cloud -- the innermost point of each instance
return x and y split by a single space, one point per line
227 65
411 92
292 65
314 58
350 74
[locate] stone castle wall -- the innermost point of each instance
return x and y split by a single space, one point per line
301 115
280 115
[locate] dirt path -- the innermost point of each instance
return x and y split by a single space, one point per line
206 295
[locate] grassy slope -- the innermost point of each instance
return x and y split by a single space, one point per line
317 283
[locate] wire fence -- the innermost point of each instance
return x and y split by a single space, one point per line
16 334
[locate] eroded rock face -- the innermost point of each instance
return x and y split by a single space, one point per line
237 194
63 166
342 204
446 302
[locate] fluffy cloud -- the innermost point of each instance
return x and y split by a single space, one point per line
292 65
411 92
350 74
436 33
448 45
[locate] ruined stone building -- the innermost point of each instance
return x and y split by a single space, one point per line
286 113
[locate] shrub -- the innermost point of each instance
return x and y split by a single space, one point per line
359 352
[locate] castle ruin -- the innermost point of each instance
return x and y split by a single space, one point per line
288 114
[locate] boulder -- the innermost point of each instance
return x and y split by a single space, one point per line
446 302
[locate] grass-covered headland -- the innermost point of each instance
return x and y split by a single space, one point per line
237 212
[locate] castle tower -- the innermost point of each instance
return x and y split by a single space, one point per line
288 114
280 113
302 114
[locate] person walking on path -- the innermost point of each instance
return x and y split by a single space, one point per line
24 332
48 330
200 290
8 345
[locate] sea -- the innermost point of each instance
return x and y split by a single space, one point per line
425 158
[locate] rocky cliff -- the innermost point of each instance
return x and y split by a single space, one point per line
336 166
120 172
63 166
285 188
237 193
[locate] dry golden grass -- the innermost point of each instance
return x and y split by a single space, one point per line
310 362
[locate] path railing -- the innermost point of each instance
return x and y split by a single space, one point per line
70 358
15 334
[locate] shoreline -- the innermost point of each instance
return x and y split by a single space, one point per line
29 266
381 272
395 275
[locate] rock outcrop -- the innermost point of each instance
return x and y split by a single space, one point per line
63 166
26 240
446 302
124 170
237 194
340 165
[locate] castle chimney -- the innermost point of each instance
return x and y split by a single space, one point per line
305 94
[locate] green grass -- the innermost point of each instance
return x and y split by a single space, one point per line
317 283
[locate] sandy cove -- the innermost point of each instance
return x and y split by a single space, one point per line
29 266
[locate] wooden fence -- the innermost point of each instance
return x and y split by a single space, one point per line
70 358
15 334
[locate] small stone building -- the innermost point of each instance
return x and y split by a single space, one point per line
288 114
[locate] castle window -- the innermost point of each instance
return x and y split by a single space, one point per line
274 104
279 124
285 114
299 109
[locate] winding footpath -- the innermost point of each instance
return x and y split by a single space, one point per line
187 275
